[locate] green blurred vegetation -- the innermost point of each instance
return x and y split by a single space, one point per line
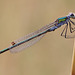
52 55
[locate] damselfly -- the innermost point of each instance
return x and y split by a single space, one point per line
34 37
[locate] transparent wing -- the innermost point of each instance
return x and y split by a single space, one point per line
32 41
26 45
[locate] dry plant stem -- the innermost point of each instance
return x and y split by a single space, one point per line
73 61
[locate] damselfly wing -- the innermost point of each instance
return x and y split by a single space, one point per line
30 39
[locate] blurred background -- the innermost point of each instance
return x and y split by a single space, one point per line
52 55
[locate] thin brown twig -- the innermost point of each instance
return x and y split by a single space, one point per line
73 61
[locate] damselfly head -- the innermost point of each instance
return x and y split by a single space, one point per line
71 15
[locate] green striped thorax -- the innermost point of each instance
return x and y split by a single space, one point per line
70 15
61 19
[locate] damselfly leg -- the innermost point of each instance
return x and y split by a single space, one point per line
72 28
68 33
65 29
72 22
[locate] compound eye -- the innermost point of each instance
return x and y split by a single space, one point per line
72 14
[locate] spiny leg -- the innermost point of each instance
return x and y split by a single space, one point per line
73 29
63 30
70 27
72 22
66 29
